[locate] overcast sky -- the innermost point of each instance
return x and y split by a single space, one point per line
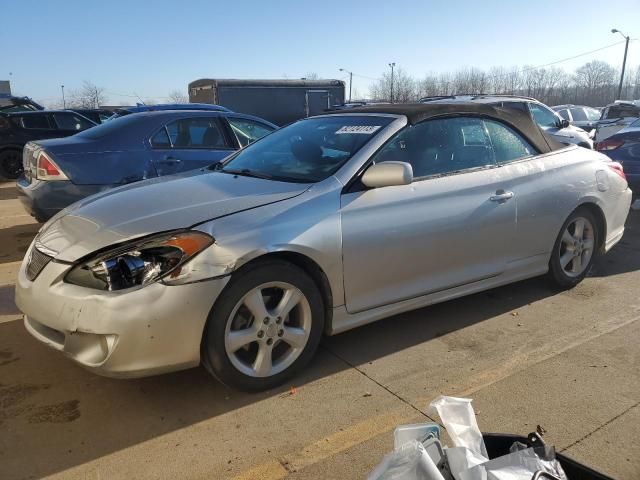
150 48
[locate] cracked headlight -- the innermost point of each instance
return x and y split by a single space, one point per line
140 262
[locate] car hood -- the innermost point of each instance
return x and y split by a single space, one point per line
156 205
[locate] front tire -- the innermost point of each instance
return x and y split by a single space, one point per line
264 327
574 249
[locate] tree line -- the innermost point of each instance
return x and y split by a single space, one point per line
595 83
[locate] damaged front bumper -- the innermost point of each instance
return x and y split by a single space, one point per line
130 333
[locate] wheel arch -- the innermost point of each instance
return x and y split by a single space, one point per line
310 267
11 146
601 220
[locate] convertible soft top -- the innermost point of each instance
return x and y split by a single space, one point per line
417 112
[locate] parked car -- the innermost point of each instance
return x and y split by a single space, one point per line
97 115
615 117
9 103
18 128
548 120
624 147
327 224
128 149
121 112
581 116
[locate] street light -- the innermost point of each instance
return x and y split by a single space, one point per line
64 104
350 81
392 65
624 61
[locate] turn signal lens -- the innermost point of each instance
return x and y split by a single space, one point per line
48 170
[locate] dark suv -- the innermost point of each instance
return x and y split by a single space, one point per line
18 128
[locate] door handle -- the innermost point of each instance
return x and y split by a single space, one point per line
501 196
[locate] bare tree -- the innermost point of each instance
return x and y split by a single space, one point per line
594 83
404 87
311 76
177 96
89 96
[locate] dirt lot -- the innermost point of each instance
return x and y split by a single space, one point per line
528 356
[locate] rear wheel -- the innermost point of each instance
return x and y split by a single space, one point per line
574 250
10 164
264 327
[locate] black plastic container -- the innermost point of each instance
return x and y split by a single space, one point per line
498 444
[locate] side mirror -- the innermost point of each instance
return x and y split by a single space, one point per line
563 123
388 174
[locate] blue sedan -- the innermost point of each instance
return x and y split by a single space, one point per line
135 147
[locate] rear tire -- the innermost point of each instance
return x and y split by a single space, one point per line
264 327
10 164
574 250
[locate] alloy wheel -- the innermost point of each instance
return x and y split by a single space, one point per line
268 329
576 247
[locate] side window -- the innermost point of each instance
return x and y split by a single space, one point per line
441 146
69 121
161 139
507 144
579 115
198 132
248 131
592 113
542 115
36 122
564 114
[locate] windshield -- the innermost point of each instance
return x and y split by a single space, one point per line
105 129
307 151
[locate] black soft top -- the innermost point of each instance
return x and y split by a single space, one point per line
417 112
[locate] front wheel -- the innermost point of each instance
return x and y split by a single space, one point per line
574 250
10 164
265 326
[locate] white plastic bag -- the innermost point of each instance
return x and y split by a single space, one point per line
461 459
459 419
519 465
410 462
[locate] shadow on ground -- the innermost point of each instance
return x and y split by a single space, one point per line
15 241
101 415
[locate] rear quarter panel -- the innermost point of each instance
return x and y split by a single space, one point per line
550 187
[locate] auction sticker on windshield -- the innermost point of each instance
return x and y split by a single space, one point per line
365 129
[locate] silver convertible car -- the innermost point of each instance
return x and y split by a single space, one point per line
325 225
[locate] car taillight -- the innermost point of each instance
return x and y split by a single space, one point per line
617 167
47 169
609 144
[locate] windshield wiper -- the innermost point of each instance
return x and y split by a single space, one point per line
245 172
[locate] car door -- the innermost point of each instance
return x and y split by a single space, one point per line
452 226
189 143
540 190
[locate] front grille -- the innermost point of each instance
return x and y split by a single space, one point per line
37 261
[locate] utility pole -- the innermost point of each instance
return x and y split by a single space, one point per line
64 103
624 61
350 81
392 65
